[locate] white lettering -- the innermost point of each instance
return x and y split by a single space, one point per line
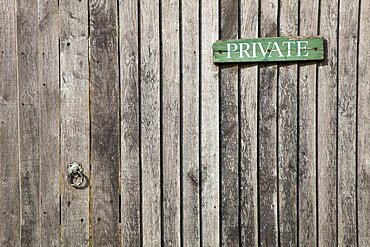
276 49
245 51
289 47
254 50
264 52
302 47
229 49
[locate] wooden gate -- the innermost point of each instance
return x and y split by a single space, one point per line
175 149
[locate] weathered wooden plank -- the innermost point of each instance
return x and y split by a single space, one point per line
130 125
48 81
75 141
150 122
287 132
282 49
190 123
229 126
327 127
248 132
9 150
347 125
267 131
29 121
307 189
104 122
210 183
363 168
170 122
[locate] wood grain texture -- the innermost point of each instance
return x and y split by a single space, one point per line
190 123
48 81
170 122
75 133
229 125
248 131
208 155
104 122
307 189
210 181
9 149
150 122
327 127
130 125
29 121
347 125
363 142
267 131
288 132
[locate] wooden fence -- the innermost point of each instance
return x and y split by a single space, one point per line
178 150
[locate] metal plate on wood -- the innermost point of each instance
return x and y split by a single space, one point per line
269 49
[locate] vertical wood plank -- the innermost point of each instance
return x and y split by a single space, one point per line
363 169
190 123
75 133
104 121
48 80
347 126
150 122
287 132
307 189
327 127
229 131
9 149
29 121
210 185
130 125
267 133
170 122
248 131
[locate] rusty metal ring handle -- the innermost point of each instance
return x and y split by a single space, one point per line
75 176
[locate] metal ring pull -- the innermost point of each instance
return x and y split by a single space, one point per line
75 175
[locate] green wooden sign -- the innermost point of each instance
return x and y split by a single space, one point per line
269 49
